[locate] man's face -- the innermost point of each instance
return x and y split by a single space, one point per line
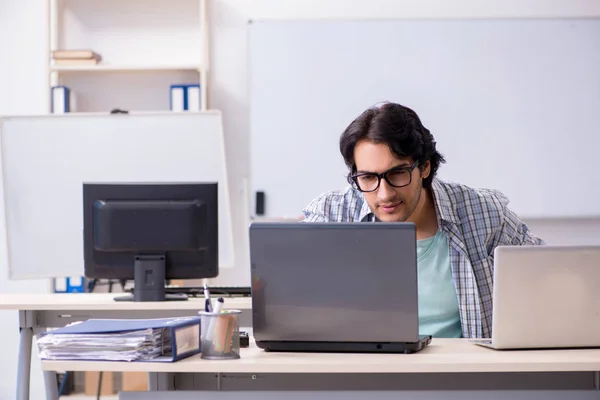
390 204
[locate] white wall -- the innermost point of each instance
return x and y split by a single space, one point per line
22 90
23 81
229 49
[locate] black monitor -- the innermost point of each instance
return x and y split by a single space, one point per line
150 233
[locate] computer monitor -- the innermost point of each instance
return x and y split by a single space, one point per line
150 233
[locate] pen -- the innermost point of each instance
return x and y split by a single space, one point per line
207 303
213 319
219 307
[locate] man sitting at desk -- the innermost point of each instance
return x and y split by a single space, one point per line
393 162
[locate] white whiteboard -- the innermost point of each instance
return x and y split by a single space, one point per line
513 104
46 159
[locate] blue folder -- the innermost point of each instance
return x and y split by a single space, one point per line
184 332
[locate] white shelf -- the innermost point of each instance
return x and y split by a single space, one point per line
124 68
145 47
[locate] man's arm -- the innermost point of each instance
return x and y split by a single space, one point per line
515 232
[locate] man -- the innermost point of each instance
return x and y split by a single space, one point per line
393 162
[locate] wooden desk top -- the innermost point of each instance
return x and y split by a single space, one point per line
104 301
442 356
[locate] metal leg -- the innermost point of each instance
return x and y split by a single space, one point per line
24 366
50 385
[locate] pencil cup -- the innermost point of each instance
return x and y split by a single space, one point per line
220 335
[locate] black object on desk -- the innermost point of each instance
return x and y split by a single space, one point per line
260 203
218 291
244 339
150 233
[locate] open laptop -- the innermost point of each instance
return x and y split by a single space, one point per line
545 297
335 287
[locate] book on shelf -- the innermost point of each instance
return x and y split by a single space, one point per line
75 54
154 340
60 100
75 57
78 62
185 97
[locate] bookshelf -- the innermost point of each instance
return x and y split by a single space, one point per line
145 47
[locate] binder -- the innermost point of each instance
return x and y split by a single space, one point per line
193 97
59 285
178 98
75 284
60 100
72 284
149 340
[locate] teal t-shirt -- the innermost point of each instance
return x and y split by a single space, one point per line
438 302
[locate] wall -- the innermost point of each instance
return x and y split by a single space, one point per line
22 88
229 84
23 45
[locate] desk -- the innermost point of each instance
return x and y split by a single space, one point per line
447 364
40 311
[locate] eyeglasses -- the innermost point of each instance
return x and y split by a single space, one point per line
396 177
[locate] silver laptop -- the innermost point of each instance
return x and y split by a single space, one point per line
545 297
335 287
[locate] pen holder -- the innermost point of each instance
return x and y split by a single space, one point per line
220 335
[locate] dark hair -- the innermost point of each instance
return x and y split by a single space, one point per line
397 126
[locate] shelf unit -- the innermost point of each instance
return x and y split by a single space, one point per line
146 46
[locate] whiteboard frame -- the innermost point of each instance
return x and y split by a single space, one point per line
48 272
256 179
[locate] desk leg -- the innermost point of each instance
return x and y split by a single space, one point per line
50 385
24 367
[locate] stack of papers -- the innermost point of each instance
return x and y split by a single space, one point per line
126 346
122 340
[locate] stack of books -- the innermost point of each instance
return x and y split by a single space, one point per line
75 57
161 339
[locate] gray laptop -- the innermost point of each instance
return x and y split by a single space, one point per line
335 287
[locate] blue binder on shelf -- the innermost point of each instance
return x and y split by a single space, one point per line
185 97
193 97
174 339
60 100
178 98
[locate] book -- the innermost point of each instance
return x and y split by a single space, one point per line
156 340
75 54
193 97
76 61
60 100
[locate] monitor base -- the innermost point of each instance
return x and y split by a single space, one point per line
149 272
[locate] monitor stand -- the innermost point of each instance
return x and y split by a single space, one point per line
149 273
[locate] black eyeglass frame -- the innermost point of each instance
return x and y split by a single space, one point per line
353 179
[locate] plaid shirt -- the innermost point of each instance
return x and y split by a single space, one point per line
475 221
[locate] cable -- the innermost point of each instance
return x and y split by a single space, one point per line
99 386
63 383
